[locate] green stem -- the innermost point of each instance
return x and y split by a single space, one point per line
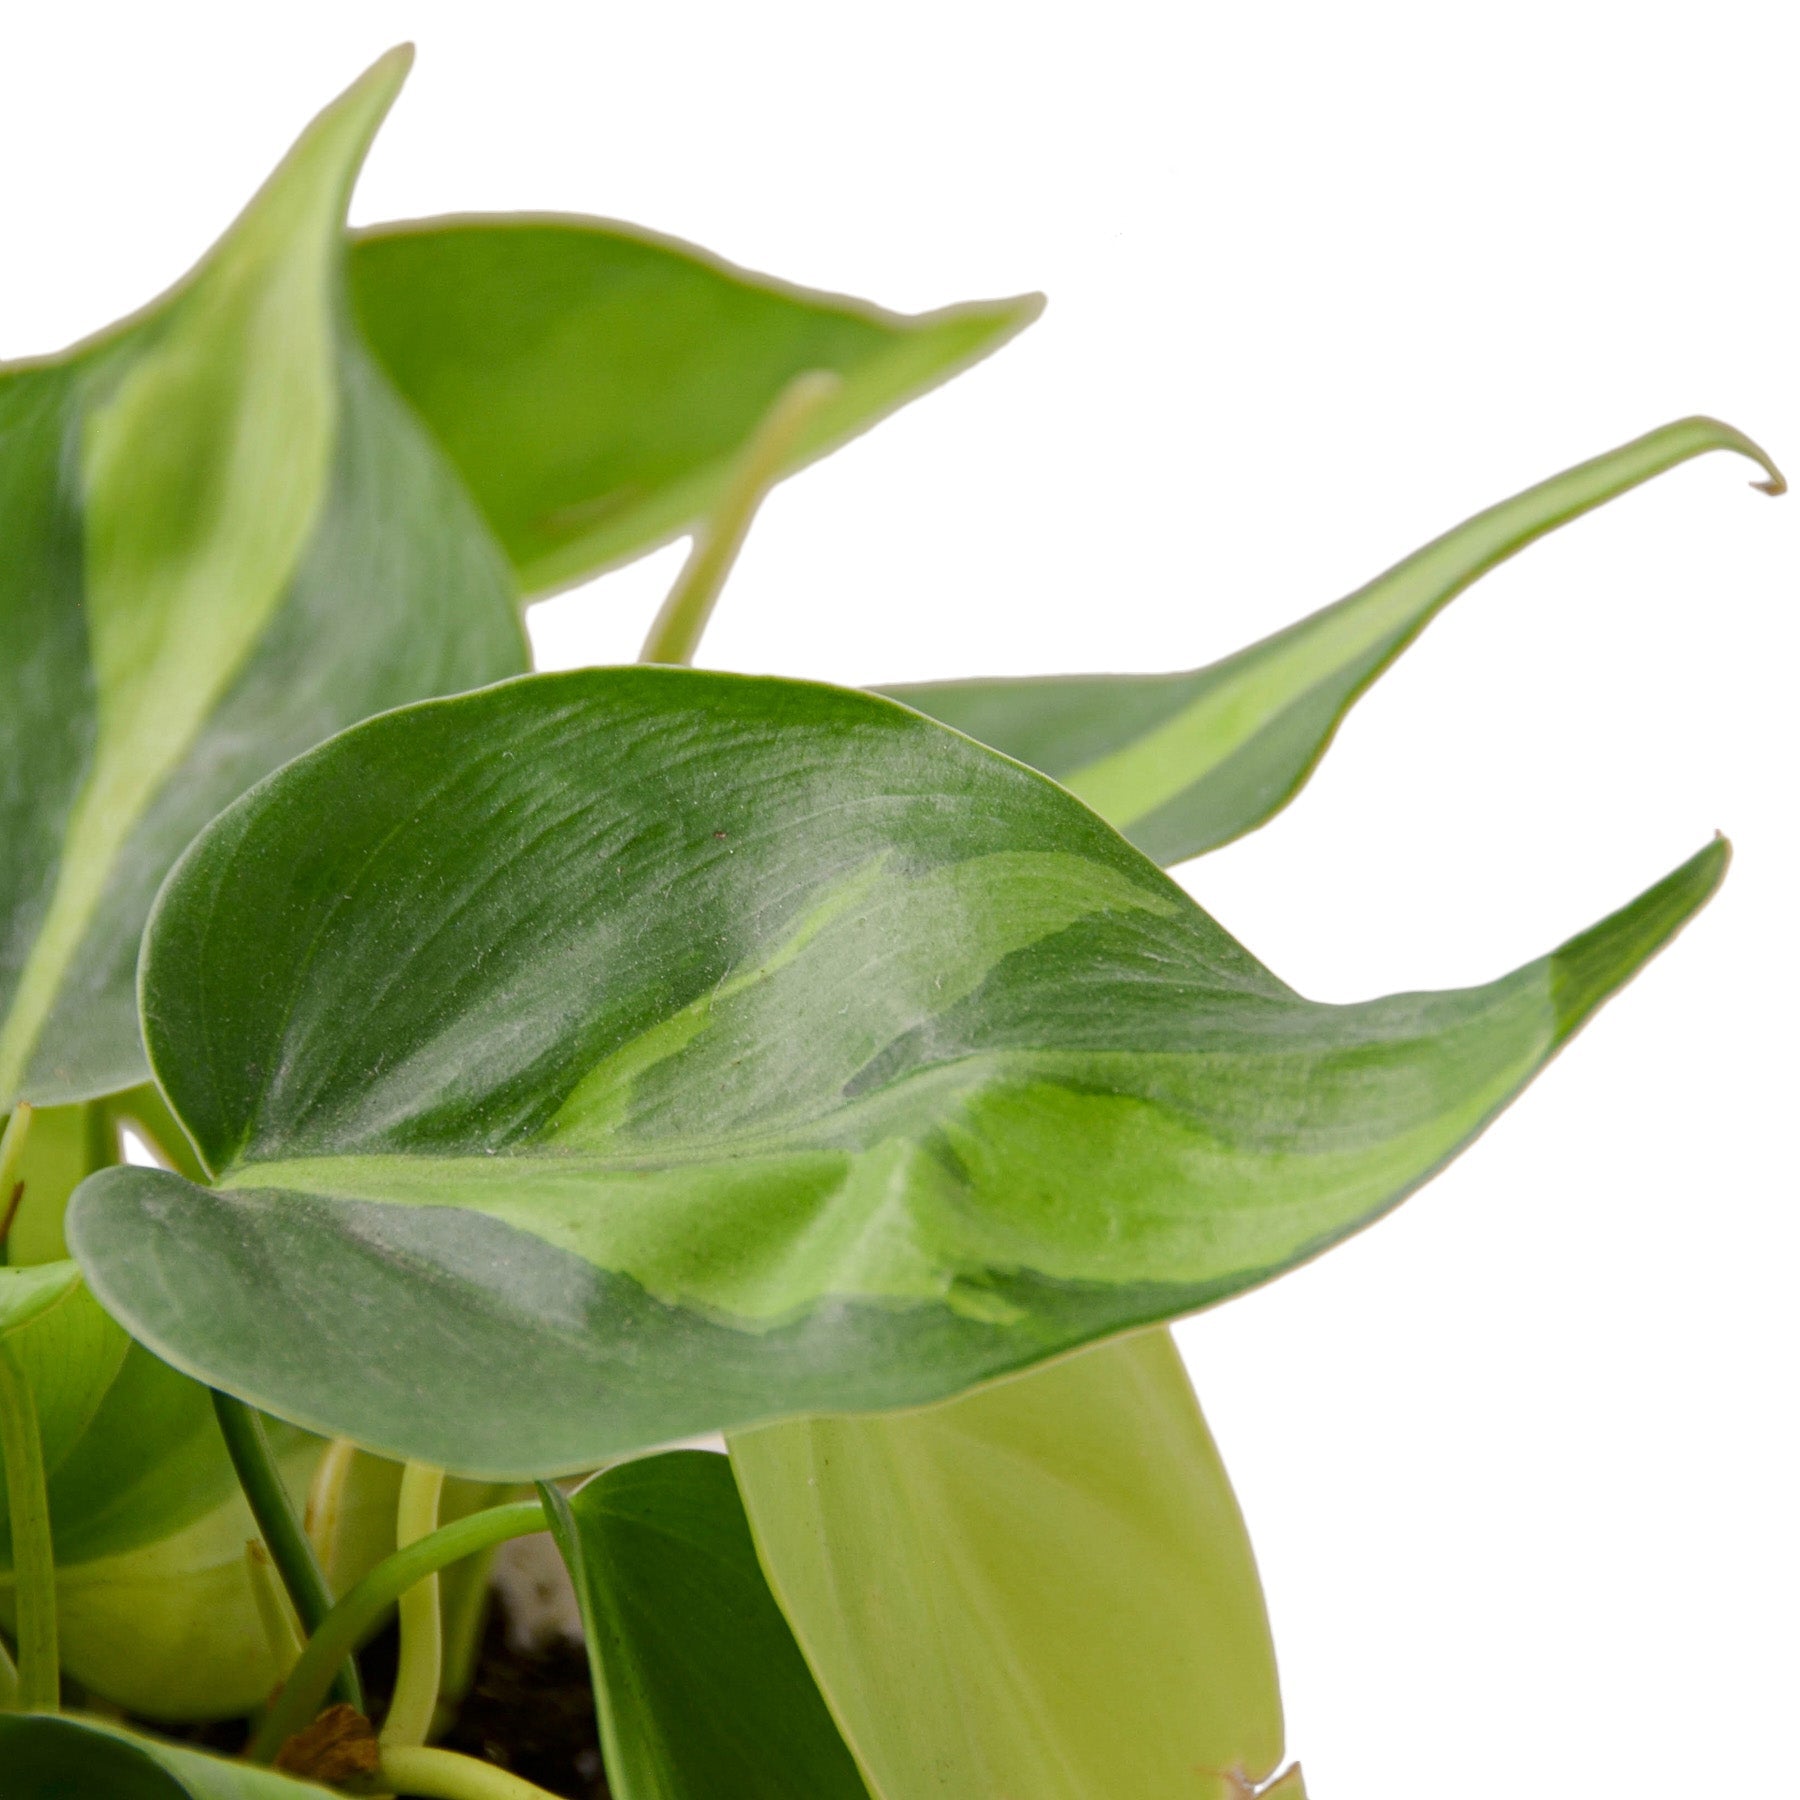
356 1616
443 1775
273 1509
34 1560
9 1679
421 1669
676 633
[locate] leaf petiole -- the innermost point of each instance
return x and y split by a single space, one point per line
360 1610
675 634
444 1775
421 1667
273 1509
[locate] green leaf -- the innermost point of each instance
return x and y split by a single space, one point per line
1184 763
227 537
1041 1588
700 1687
157 1614
593 382
155 1608
681 1051
49 1758
64 1145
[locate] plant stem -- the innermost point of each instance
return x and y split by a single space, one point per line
9 1680
34 1561
676 633
356 1615
273 1510
421 1669
443 1775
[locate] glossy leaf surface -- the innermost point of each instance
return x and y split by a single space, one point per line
1042 1588
686 1050
592 382
227 537
700 1687
1186 762
48 1758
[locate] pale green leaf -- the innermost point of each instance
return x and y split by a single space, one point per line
1041 1588
594 382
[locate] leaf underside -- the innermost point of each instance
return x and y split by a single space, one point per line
684 1051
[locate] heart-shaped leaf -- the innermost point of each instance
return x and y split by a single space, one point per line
1184 763
1041 1588
700 1688
592 382
227 537
49 1758
608 1057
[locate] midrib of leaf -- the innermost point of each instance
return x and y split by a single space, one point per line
1132 782
203 472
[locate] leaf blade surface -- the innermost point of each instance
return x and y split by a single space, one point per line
1044 1587
230 538
1184 763
700 1687
699 1049
592 381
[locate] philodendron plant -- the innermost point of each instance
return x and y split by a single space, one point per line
547 1070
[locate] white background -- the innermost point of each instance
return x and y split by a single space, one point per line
1323 280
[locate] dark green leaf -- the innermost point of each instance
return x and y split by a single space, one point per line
700 1687
592 382
227 537
1184 763
681 1051
1041 1588
48 1758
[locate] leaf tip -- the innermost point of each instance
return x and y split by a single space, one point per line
1728 437
1590 968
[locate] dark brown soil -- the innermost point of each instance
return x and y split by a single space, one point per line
528 1711
533 1713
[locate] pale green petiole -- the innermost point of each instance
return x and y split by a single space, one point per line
34 1564
421 1668
676 633
444 1775
363 1607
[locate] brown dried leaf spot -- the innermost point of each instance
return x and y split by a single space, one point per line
338 1748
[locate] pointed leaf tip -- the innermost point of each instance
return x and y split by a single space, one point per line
1728 437
1596 963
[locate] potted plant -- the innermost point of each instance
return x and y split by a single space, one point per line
548 1070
